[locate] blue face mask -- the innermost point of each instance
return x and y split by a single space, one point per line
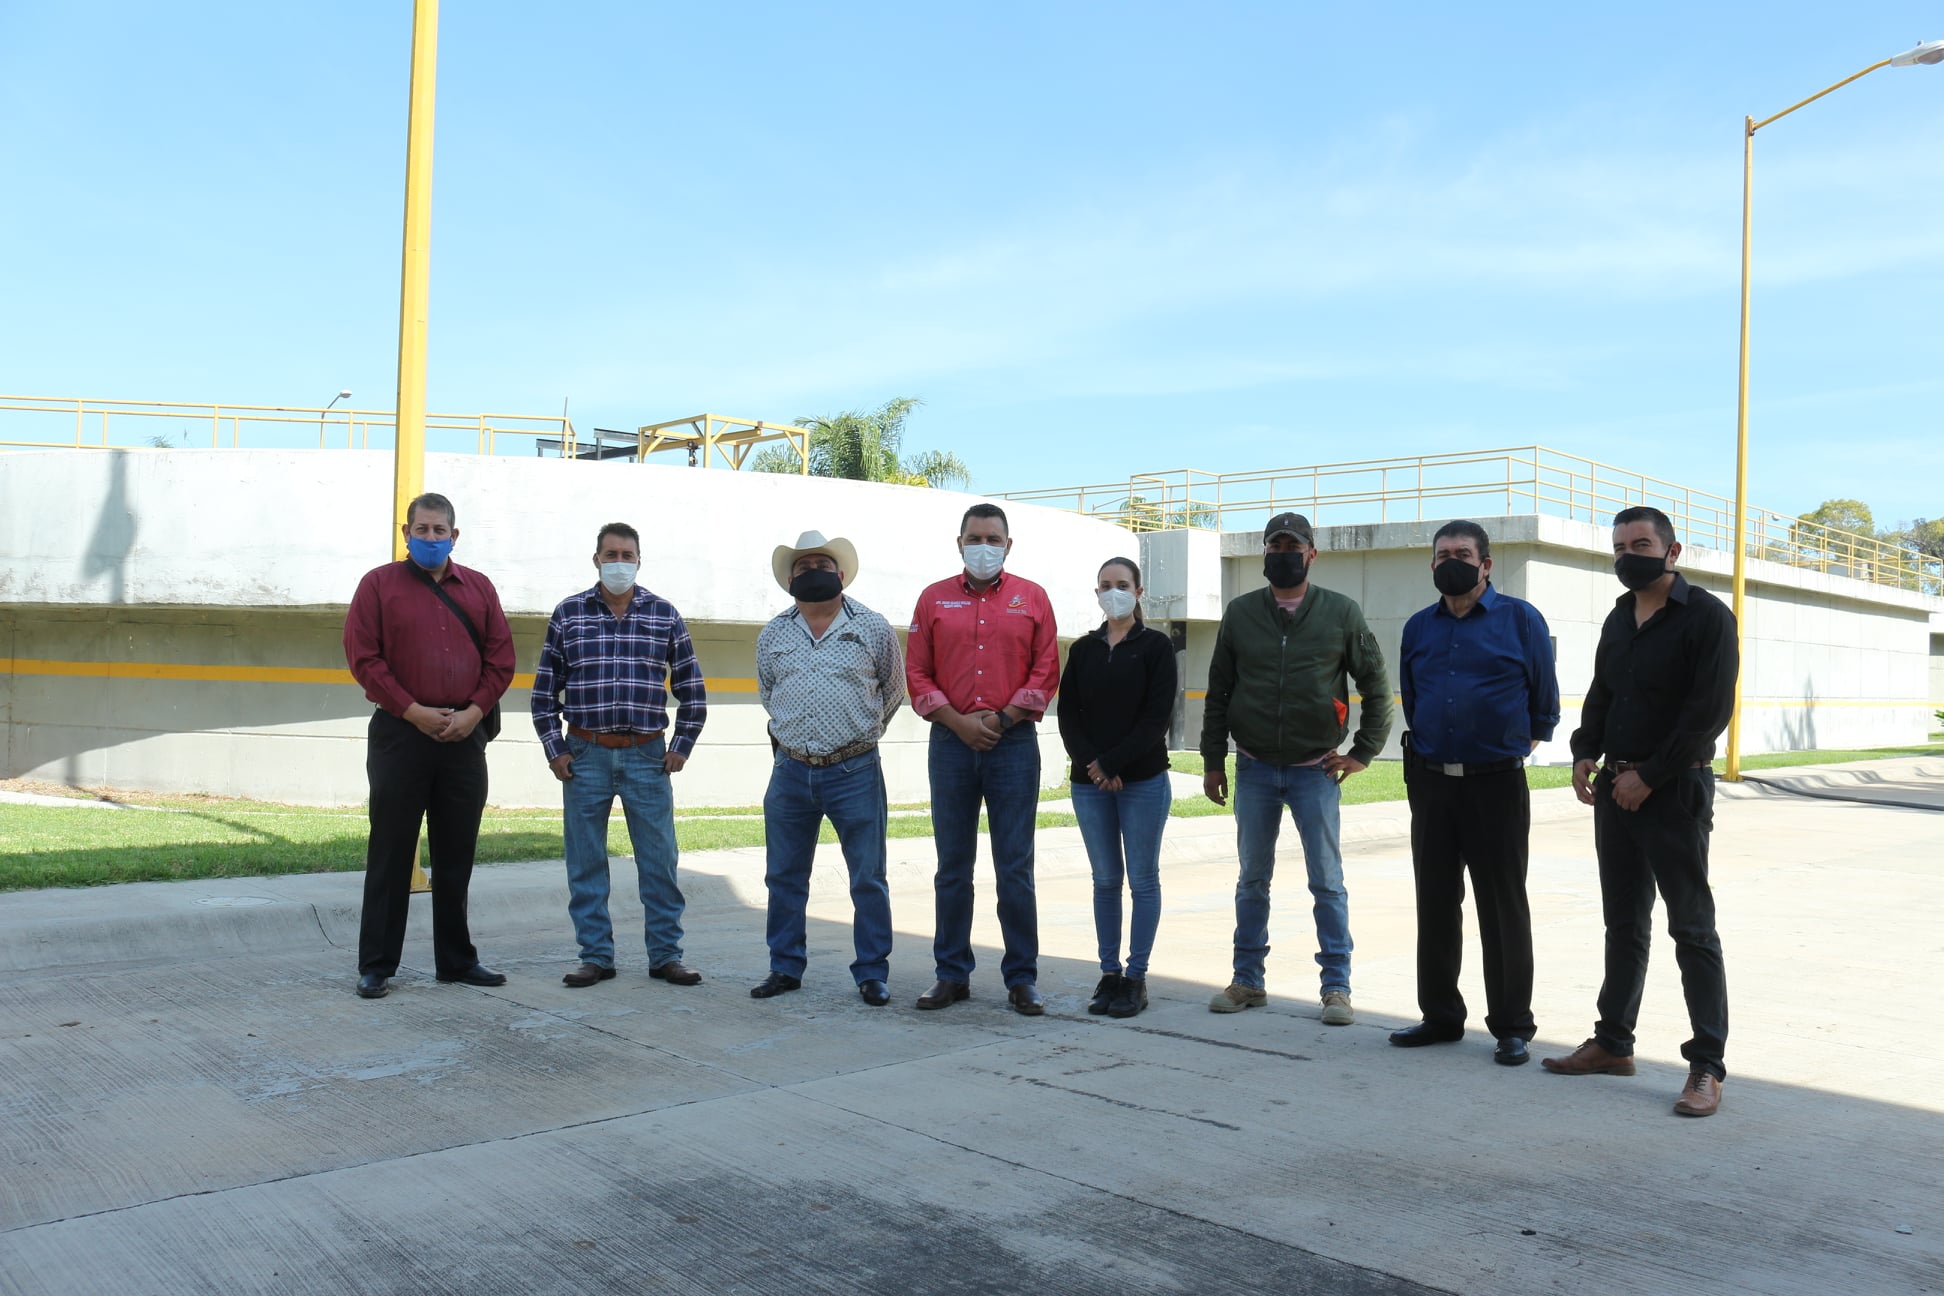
429 554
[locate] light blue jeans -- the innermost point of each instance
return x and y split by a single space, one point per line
1312 796
1122 831
634 774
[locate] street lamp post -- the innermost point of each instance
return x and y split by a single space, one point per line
1929 53
345 394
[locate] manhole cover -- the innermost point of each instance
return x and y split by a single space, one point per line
234 902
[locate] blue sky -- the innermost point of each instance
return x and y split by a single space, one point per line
1095 239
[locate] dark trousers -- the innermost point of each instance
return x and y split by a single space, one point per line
1480 823
1664 843
414 780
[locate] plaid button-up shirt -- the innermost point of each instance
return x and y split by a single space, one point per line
825 694
612 675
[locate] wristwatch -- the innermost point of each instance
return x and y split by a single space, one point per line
1005 721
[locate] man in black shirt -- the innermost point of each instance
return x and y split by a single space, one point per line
1663 687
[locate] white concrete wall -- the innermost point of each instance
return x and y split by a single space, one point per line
1830 662
239 559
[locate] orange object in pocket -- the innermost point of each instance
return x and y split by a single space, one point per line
1342 710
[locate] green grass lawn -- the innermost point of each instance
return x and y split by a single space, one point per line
177 837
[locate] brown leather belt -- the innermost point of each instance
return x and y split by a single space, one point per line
827 759
1621 767
615 739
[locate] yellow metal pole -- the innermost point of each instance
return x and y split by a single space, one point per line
1741 458
414 292
414 289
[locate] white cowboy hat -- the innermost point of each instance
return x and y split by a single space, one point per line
840 551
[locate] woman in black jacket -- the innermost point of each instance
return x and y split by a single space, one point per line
1117 696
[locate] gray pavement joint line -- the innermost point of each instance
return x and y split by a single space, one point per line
1835 796
759 1086
1164 1208
1122 1102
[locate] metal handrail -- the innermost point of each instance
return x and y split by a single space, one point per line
1509 480
96 423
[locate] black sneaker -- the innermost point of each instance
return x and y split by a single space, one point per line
1130 998
1104 994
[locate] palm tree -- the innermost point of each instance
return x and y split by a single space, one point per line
864 446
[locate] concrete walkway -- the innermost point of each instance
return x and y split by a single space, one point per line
195 1102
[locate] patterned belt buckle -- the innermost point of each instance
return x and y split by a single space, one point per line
1456 771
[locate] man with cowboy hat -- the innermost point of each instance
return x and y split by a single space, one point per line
831 677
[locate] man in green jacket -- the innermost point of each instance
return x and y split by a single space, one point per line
1278 683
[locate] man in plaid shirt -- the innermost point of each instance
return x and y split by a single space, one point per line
608 651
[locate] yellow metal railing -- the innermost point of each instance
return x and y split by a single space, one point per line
79 422
1484 483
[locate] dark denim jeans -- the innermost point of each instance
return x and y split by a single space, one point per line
851 796
1006 780
634 774
1122 831
1663 844
1312 796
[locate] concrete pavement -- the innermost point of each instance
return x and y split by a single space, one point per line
196 1102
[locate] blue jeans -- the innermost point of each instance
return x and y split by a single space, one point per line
634 774
851 794
1261 792
1122 831
1006 779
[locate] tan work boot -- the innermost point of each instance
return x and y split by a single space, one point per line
1237 997
1589 1059
1701 1096
1336 1008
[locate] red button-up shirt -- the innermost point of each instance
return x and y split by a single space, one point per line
981 651
405 646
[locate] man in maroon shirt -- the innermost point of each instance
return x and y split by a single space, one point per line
982 663
426 754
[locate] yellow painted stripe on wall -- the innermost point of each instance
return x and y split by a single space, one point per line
195 672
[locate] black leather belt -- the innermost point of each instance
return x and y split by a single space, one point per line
1621 767
1459 770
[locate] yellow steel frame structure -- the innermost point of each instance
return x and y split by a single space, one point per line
708 436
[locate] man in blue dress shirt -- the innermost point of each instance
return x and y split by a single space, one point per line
1479 692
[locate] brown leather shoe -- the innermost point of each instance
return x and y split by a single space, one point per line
1589 1059
1701 1096
676 972
943 994
588 974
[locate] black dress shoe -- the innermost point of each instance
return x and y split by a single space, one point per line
1130 998
1425 1033
875 993
373 986
1104 994
676 972
587 974
775 984
944 993
1511 1051
476 975
1026 999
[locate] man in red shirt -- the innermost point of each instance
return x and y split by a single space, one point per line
435 677
982 664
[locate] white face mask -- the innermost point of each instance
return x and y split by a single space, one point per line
984 561
618 578
1118 604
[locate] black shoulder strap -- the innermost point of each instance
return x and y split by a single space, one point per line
445 598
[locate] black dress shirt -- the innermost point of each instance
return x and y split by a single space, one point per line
1661 692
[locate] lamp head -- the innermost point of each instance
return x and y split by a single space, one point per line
345 394
1928 54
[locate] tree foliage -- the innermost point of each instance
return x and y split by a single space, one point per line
868 446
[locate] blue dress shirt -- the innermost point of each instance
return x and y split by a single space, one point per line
1478 688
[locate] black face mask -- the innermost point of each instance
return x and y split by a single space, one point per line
816 586
1638 571
1455 576
1285 570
